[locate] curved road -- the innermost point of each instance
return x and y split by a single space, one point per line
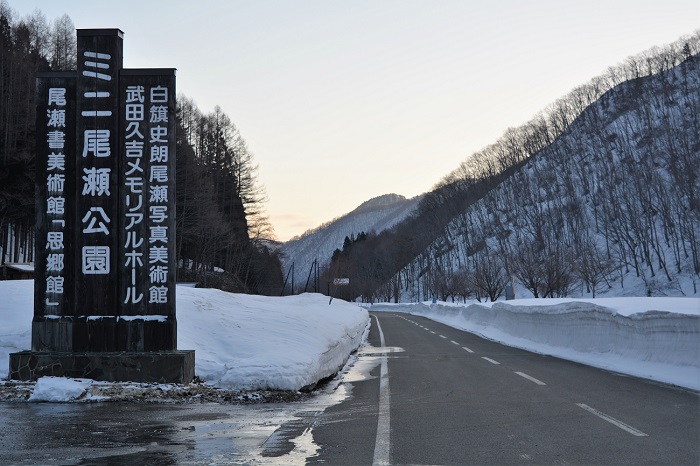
450 397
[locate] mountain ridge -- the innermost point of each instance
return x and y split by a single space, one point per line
597 194
374 215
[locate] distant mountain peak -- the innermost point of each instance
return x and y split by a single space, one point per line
383 201
375 215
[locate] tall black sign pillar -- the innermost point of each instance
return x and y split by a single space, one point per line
104 304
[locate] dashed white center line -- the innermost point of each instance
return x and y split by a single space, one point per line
454 342
530 378
443 336
433 332
467 349
492 361
613 421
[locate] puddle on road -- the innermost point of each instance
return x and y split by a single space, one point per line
113 433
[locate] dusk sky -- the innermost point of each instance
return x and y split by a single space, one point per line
343 101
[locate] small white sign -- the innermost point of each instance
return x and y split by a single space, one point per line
341 281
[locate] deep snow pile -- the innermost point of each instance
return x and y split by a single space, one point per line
246 342
241 342
654 338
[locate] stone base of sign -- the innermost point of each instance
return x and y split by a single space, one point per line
83 334
150 367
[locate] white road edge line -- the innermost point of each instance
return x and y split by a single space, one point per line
492 361
382 443
530 378
467 349
612 421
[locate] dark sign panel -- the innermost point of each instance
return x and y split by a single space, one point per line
146 258
105 264
55 194
97 127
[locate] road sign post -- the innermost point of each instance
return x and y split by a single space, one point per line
337 282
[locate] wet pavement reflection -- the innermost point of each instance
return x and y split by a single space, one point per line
132 433
101 433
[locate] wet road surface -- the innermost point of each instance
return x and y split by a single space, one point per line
420 393
110 433
451 397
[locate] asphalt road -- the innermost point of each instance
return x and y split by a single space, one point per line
422 393
451 397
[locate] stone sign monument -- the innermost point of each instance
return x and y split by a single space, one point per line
104 284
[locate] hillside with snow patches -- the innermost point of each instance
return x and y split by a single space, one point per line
619 188
376 215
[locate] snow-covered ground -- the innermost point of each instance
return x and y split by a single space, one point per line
245 342
241 342
653 338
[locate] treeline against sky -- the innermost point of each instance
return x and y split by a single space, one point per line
221 224
223 235
27 46
603 183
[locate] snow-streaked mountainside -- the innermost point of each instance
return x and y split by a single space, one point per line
375 215
619 186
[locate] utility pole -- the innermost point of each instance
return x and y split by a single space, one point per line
284 286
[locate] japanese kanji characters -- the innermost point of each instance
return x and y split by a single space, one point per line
57 96
55 199
146 184
96 260
120 172
96 181
96 221
159 178
97 133
97 142
105 218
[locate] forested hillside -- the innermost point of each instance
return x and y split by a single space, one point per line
222 232
317 245
598 192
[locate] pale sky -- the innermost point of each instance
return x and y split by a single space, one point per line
343 101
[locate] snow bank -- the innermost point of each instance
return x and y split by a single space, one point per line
58 389
241 342
16 312
248 342
654 338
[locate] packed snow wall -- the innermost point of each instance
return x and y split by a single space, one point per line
654 336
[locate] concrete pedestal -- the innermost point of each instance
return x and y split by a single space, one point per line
152 367
109 334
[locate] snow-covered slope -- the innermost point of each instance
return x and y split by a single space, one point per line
615 194
375 215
